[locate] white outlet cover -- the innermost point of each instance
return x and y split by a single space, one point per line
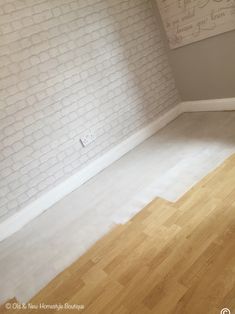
87 138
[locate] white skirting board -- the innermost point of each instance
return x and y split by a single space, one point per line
24 216
226 104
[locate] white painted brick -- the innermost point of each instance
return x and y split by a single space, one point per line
18 146
66 67
17 165
14 184
22 153
4 191
22 199
8 151
6 172
9 130
12 204
32 192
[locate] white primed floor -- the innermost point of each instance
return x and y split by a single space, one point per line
166 165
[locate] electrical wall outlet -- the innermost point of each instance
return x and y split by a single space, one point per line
87 138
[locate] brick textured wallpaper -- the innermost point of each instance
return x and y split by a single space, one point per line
66 67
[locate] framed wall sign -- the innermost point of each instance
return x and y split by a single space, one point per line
187 21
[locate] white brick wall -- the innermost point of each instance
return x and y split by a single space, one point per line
67 66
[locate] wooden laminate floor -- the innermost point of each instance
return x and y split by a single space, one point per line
170 258
166 165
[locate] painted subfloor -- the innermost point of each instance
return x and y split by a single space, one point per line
165 165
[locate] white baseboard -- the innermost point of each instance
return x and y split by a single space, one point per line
226 104
24 216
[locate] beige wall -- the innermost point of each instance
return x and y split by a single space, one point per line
205 69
